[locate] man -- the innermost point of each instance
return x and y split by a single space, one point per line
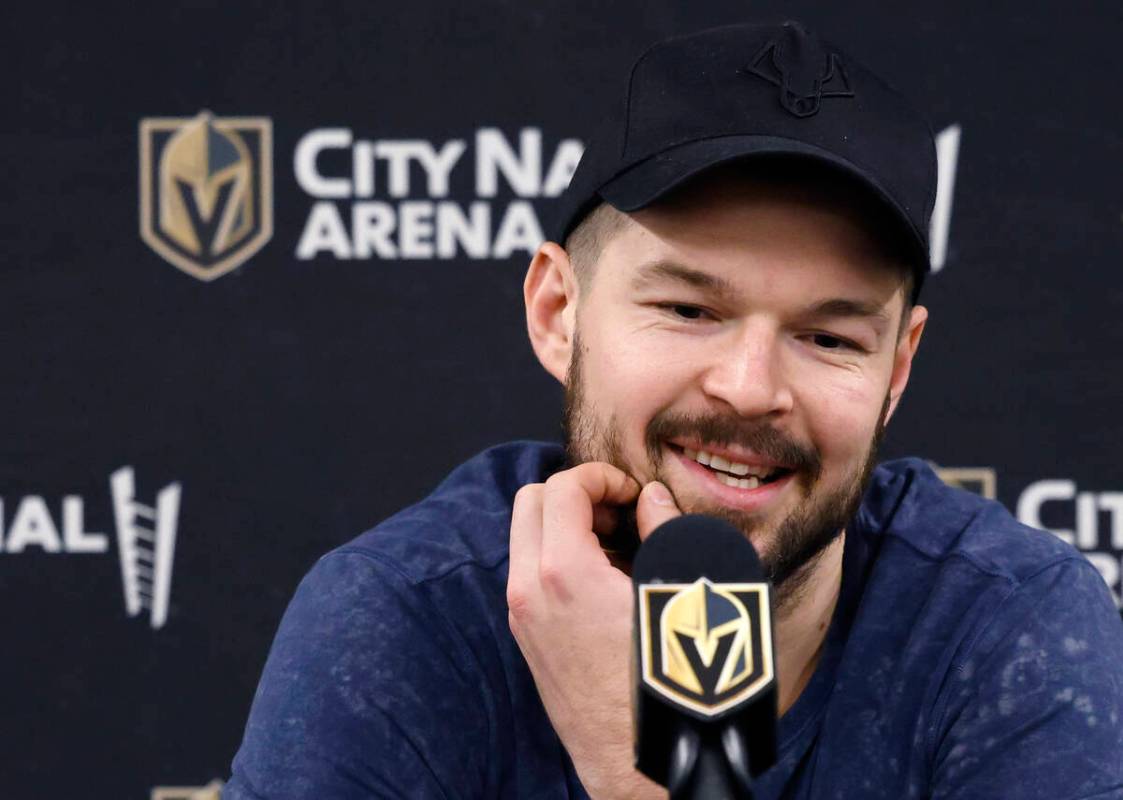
734 317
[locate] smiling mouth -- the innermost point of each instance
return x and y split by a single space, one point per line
734 474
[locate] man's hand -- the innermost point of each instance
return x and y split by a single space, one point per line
571 613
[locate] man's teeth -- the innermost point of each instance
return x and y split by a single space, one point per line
715 462
738 483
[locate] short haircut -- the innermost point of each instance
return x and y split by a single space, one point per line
810 179
586 243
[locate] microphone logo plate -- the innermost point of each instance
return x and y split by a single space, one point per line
707 647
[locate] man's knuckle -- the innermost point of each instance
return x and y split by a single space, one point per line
551 576
518 602
527 493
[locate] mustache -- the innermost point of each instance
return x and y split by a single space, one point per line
753 434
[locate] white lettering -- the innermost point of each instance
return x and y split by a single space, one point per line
1036 495
454 228
562 169
438 166
1112 502
1087 521
324 232
397 154
1088 505
372 224
76 539
519 230
32 525
304 162
415 229
522 171
947 157
362 165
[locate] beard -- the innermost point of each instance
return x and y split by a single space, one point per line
795 543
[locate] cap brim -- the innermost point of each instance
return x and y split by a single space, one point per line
642 184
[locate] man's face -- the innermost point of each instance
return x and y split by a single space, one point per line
751 328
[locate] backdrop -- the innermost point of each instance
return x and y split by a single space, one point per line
262 287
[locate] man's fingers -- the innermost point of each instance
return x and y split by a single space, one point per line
601 482
605 519
570 498
655 506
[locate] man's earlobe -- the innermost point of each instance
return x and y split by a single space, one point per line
550 294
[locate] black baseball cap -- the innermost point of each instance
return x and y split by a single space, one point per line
749 91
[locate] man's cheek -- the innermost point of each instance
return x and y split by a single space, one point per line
841 425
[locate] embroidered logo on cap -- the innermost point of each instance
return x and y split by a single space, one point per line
804 71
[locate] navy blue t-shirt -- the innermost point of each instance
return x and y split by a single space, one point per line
968 657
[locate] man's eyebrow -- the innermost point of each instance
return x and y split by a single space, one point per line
848 307
656 271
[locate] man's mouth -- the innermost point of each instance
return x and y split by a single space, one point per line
733 473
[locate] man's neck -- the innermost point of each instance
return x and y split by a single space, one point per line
802 622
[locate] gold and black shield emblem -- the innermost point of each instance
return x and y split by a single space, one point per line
983 481
206 190
706 646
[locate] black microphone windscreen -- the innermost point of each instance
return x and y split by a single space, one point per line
693 546
705 697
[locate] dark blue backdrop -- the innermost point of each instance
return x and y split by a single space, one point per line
292 402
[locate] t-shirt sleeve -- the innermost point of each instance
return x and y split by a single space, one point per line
1035 710
367 692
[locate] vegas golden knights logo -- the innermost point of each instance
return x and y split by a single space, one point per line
983 481
706 646
206 190
212 791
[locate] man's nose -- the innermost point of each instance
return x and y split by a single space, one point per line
748 373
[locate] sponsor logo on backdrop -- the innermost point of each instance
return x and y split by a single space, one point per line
983 481
947 163
390 199
1091 521
212 791
145 536
206 190
145 545
705 646
347 222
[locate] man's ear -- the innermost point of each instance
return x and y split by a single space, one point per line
550 294
902 358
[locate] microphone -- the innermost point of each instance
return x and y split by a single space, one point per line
704 673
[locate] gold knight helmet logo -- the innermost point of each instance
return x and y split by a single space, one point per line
206 190
706 646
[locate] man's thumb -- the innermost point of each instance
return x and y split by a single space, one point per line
654 507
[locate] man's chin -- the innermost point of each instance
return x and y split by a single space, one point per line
755 527
785 540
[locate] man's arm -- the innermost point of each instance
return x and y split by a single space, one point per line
1036 710
363 695
571 614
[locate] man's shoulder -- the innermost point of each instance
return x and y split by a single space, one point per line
979 644
961 568
390 642
465 521
908 503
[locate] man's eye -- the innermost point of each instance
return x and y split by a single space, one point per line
686 312
828 342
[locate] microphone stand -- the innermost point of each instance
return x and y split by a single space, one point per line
709 765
